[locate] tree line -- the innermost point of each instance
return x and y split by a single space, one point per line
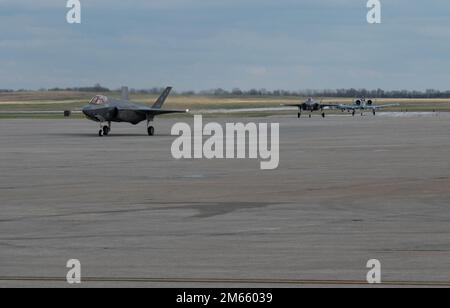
375 93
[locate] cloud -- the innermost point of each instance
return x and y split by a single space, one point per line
247 43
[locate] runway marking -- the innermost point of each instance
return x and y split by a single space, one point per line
292 282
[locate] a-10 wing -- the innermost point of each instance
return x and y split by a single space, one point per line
382 106
331 106
347 107
369 107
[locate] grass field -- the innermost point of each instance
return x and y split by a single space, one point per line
16 105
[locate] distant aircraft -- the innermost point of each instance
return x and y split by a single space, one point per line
363 104
311 105
103 109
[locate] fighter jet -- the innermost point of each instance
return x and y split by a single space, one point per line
103 109
363 104
311 105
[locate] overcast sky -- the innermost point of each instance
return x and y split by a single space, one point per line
203 44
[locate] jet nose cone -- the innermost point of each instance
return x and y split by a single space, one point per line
87 112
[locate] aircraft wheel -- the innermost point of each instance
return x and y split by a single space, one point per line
323 114
100 133
105 130
151 130
299 115
310 116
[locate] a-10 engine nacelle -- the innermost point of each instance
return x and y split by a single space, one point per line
360 102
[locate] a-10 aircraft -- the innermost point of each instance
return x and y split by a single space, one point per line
363 104
311 105
104 109
360 104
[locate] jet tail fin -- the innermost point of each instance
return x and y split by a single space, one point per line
125 93
158 104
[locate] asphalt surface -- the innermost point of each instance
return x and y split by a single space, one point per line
347 190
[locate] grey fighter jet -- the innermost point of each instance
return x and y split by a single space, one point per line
311 105
103 109
363 104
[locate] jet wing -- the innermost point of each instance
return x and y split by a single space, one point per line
321 106
347 107
153 111
165 111
292 105
383 106
300 105
332 106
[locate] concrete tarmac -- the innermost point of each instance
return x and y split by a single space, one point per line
347 190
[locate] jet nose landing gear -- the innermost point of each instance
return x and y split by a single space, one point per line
104 130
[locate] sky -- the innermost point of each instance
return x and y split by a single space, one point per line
205 44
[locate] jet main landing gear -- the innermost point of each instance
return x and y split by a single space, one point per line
106 130
151 130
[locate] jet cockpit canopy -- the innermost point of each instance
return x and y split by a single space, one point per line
99 100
